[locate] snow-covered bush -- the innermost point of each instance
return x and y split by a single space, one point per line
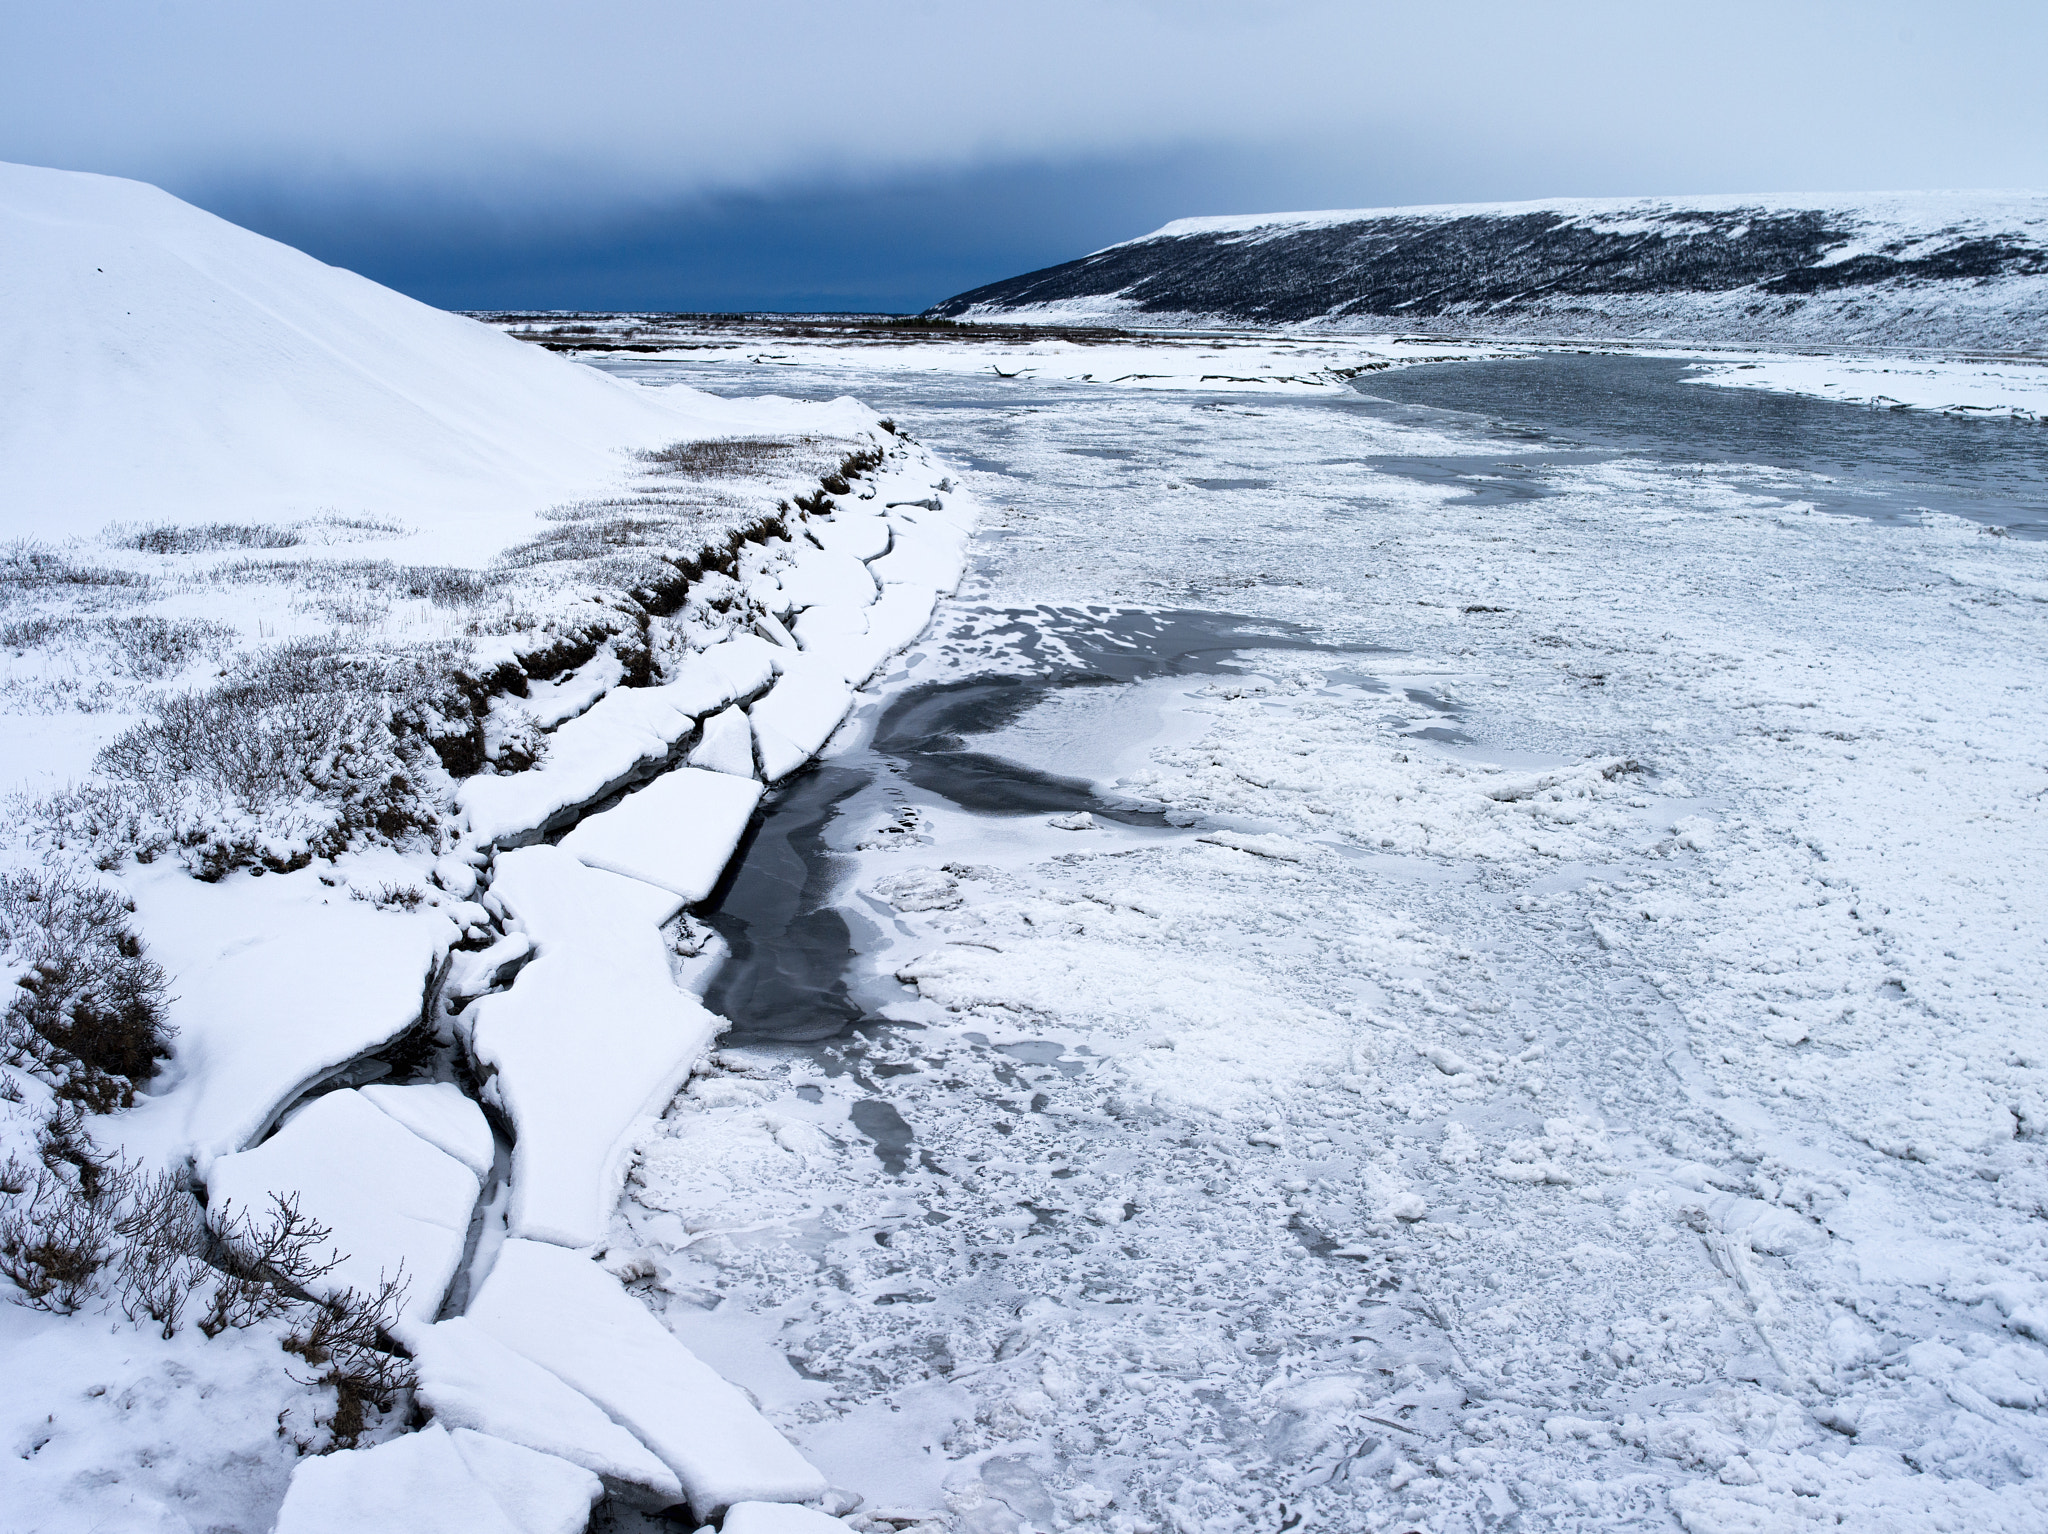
304 752
89 1012
728 458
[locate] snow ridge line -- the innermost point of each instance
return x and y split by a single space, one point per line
583 960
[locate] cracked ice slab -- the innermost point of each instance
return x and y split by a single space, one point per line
566 1314
438 1482
470 1379
391 1200
622 734
439 1114
677 833
792 724
592 1037
257 1014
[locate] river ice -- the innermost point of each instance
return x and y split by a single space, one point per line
1555 1045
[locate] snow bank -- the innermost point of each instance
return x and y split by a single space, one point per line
777 1518
279 980
571 1318
619 736
677 833
393 1202
593 1036
468 1379
437 1482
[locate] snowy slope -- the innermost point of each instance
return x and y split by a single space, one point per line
156 361
1902 268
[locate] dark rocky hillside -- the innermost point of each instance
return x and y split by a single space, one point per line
1937 269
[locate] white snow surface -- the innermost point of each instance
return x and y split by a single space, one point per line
398 1207
165 363
468 1379
2014 390
572 1318
727 744
794 721
677 833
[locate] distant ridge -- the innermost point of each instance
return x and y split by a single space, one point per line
1921 269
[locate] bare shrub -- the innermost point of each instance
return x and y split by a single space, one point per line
730 458
270 1269
147 648
90 1009
55 1237
596 539
161 1257
26 565
304 751
204 537
390 897
364 582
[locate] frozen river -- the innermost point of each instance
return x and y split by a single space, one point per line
1461 954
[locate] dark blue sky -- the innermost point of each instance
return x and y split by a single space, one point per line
885 154
898 245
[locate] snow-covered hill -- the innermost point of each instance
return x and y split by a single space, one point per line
1933 269
158 362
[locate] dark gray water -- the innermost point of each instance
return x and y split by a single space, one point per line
1885 464
791 949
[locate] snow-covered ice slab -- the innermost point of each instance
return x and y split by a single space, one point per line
864 535
622 735
678 832
392 1200
794 721
825 576
727 744
570 1317
777 1518
278 981
437 1482
592 1036
469 1379
926 553
539 1493
439 1114
829 625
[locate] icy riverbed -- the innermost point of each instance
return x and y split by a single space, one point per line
1546 1036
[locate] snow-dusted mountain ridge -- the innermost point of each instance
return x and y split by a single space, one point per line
1937 269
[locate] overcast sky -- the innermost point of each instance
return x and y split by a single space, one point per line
784 153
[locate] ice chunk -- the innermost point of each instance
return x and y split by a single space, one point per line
592 1036
727 744
570 1317
862 534
538 1493
925 553
391 1199
439 1114
830 624
418 1483
261 1006
468 1379
794 721
677 833
778 1518
820 576
623 735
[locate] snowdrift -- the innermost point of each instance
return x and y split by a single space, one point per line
158 363
1931 269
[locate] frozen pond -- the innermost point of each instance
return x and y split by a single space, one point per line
1454 960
